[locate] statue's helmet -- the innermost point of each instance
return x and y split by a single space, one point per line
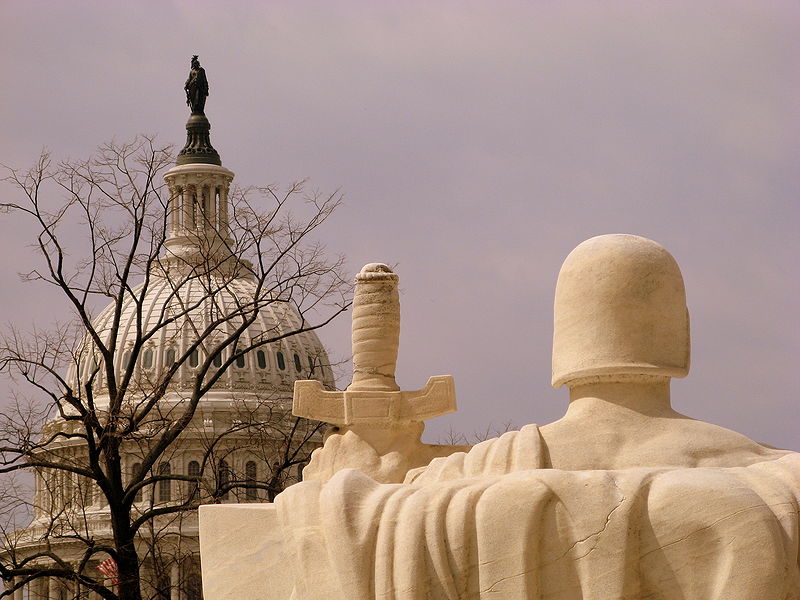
620 309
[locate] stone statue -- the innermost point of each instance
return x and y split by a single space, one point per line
622 498
196 87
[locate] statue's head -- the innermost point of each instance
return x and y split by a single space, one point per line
195 62
620 309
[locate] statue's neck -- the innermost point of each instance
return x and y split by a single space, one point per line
648 396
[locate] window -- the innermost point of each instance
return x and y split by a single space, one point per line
126 359
194 358
224 478
193 470
66 488
77 491
281 361
251 473
195 213
217 360
240 361
170 358
311 364
147 358
52 490
165 485
134 469
261 359
72 493
88 496
297 365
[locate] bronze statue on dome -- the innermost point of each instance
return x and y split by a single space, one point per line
196 88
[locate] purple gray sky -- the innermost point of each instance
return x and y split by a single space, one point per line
476 143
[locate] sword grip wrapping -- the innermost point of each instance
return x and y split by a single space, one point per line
376 329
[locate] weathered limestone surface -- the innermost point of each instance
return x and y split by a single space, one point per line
622 498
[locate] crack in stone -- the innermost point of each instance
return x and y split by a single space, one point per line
733 514
596 534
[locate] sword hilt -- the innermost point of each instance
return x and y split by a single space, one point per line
376 329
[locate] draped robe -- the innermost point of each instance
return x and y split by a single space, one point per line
495 523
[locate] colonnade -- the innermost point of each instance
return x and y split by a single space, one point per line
199 207
53 588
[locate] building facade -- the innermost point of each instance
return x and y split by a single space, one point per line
242 444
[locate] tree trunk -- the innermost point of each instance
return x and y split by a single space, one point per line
129 587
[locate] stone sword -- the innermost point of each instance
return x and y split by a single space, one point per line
374 400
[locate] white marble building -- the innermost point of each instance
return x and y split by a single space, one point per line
256 386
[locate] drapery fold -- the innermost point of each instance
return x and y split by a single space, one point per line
492 523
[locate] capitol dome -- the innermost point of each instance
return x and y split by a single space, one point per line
198 284
202 358
271 368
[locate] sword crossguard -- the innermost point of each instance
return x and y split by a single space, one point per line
368 407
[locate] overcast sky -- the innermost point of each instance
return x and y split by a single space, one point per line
476 143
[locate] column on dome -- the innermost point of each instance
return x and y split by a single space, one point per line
174 210
38 486
208 208
223 209
188 207
204 204
212 205
200 214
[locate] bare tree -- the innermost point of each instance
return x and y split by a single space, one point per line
128 381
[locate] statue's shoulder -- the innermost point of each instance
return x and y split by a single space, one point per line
512 451
710 445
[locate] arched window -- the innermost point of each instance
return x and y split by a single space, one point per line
311 365
147 358
281 361
217 360
135 468
261 359
297 365
165 485
194 587
126 359
170 358
194 358
251 474
240 361
193 470
224 478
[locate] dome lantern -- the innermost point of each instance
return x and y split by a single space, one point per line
197 221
